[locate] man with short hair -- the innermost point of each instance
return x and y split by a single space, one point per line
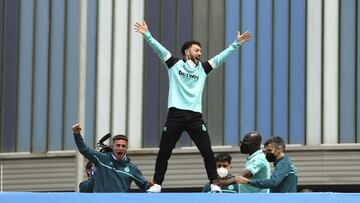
114 172
285 176
223 165
187 78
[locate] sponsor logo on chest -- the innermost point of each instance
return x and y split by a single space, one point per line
188 75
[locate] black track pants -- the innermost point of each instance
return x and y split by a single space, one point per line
177 122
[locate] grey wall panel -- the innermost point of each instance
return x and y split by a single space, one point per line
358 74
153 70
184 22
40 77
121 29
103 71
347 72
323 166
2 12
39 173
9 76
314 68
91 73
215 83
25 74
331 71
56 74
71 94
135 77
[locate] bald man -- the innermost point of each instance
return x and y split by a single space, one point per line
256 166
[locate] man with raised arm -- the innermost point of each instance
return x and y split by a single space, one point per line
187 77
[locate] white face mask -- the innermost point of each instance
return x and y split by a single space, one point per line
191 63
222 172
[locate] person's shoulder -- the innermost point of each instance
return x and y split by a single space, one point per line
260 156
286 161
132 165
261 159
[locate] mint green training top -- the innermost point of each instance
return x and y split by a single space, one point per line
257 164
186 79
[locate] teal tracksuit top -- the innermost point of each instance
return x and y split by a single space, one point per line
186 79
111 175
283 180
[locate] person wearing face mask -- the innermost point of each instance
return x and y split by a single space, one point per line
285 176
187 76
88 185
114 171
223 165
256 166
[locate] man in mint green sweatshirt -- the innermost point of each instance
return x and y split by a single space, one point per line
187 77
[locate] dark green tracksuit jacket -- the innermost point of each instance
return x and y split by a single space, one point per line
232 188
87 185
111 175
283 179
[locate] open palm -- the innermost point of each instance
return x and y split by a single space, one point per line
141 27
244 37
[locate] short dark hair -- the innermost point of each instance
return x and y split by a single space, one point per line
222 156
188 44
276 142
120 137
89 165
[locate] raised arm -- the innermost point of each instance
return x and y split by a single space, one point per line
222 56
162 52
86 151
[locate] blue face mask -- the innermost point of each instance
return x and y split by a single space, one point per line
92 171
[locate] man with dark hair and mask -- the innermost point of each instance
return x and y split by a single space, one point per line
223 165
256 165
285 176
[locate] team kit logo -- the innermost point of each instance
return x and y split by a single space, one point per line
188 75
203 127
